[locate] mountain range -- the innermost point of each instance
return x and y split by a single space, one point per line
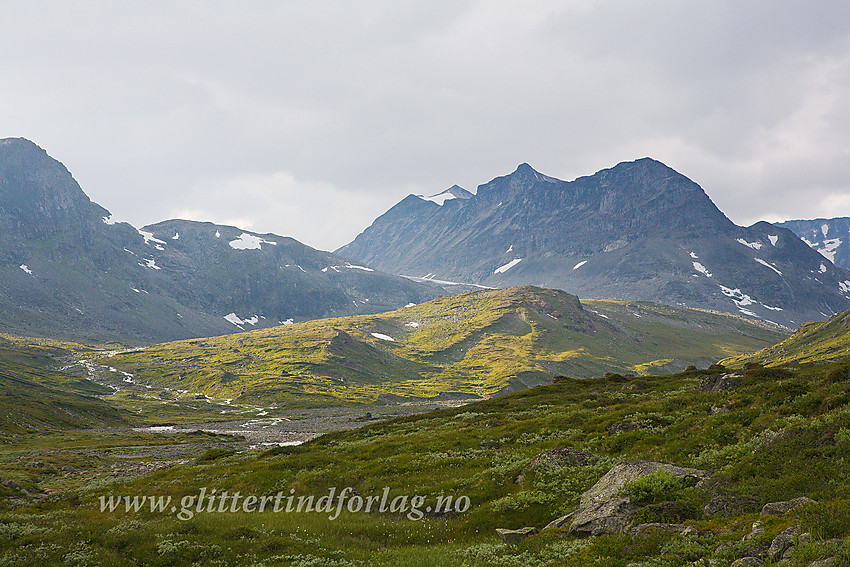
639 230
70 270
830 237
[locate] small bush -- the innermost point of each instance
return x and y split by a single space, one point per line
660 486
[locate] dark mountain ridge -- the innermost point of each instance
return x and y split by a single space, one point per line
639 230
70 271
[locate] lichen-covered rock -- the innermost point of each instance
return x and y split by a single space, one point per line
720 382
621 474
780 508
729 505
515 536
641 529
828 562
561 522
782 543
603 510
610 516
756 530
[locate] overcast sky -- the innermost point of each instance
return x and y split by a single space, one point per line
310 119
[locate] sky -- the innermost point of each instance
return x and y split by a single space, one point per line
311 118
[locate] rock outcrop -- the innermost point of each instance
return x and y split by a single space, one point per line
603 509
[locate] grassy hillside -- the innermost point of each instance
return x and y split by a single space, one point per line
35 394
477 343
821 341
776 434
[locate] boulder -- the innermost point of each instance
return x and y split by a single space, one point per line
603 510
515 536
610 516
561 522
720 382
621 474
622 426
729 504
641 529
780 508
756 530
782 543
828 562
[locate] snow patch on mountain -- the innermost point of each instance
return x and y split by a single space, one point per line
25 268
580 264
773 239
740 298
508 266
829 247
763 263
150 263
383 337
249 242
754 245
149 237
236 320
702 269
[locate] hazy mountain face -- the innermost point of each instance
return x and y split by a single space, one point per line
69 270
639 230
830 237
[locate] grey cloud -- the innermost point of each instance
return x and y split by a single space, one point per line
158 106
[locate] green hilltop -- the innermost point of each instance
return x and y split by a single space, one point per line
819 341
478 343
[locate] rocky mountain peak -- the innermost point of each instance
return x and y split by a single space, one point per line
38 195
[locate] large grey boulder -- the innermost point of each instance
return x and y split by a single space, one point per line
604 510
610 516
621 474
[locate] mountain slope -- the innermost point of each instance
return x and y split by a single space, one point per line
820 341
69 270
477 343
639 230
830 237
34 394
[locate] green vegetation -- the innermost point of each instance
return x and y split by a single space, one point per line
821 341
35 394
780 433
477 343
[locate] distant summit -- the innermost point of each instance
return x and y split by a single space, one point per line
70 271
830 237
639 230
